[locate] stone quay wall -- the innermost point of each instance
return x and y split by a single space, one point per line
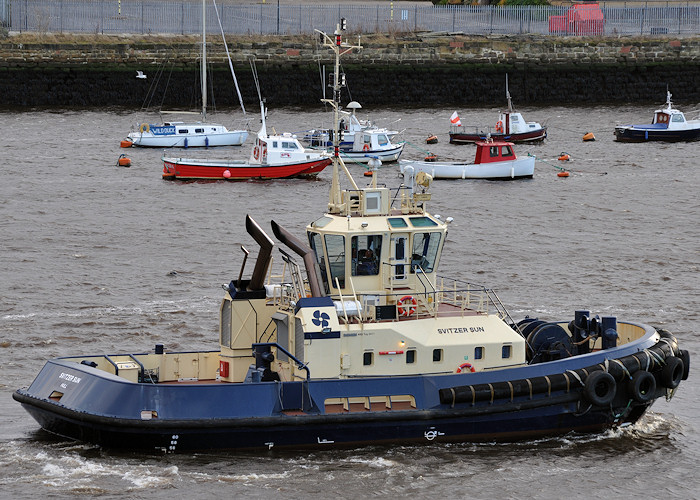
441 69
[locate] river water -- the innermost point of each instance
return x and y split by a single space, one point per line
104 259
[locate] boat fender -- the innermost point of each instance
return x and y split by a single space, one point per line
642 386
145 127
256 153
365 147
406 310
186 144
685 357
672 373
499 126
465 367
599 388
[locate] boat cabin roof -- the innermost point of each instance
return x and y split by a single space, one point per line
494 151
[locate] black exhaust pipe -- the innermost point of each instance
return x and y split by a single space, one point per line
313 272
263 262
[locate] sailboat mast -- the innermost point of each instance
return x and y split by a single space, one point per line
204 60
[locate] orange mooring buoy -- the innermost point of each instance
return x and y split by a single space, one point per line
564 157
563 173
432 139
368 173
431 158
123 161
125 144
588 136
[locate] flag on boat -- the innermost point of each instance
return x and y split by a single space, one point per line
455 119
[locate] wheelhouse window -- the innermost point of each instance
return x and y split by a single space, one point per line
317 246
366 250
335 248
507 151
425 249
677 118
478 353
382 140
289 145
437 355
493 151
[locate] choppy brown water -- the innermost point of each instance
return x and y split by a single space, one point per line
101 259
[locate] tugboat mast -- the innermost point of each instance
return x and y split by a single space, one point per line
339 48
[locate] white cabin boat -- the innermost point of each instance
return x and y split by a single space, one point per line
495 160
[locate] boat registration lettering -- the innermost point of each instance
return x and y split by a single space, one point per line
163 130
69 378
470 329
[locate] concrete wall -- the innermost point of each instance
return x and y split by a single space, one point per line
424 69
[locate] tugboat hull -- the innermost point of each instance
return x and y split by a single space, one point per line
538 400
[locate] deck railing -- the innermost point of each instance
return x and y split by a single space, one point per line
184 17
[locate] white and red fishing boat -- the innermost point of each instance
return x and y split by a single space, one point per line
494 160
510 126
272 157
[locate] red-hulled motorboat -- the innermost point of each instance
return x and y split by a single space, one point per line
272 157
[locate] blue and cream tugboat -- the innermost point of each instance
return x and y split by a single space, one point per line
358 340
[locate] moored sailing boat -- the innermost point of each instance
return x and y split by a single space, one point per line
189 134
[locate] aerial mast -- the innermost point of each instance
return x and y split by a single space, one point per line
339 48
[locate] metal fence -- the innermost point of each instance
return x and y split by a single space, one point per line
184 17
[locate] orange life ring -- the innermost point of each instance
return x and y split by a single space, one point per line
499 126
256 153
365 147
408 310
465 367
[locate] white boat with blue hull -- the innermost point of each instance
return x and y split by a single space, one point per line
361 342
668 125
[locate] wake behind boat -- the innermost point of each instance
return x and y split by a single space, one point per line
495 160
668 124
271 157
511 126
363 343
189 134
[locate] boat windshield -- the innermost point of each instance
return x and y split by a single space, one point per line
425 249
366 250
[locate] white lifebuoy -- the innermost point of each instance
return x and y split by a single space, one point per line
256 153
365 147
406 305
499 126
